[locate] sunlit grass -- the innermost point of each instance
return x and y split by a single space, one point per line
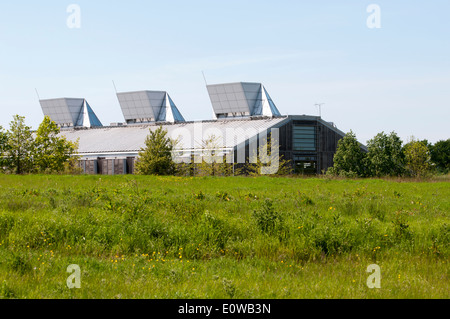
173 237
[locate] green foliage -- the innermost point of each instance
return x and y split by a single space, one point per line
417 156
269 221
3 149
266 162
212 162
156 157
187 235
19 149
51 152
440 155
349 160
385 155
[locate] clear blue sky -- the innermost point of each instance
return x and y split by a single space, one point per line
396 78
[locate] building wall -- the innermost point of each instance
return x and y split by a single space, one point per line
296 138
307 160
104 166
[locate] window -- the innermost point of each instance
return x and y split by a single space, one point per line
304 138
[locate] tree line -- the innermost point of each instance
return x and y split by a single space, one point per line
387 155
23 151
157 158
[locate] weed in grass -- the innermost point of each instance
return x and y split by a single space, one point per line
199 196
267 218
401 226
5 291
19 264
223 196
304 200
229 287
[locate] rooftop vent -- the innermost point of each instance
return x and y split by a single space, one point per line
148 107
241 99
70 112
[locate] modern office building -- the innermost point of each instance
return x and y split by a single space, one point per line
243 113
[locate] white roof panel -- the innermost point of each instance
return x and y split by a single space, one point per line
131 138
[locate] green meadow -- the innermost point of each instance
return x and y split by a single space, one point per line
238 237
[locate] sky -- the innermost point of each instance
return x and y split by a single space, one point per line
391 77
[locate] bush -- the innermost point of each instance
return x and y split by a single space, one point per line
268 219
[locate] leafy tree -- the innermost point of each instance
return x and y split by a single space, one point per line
417 156
349 159
19 146
214 162
156 157
440 155
210 161
3 148
265 162
51 152
385 155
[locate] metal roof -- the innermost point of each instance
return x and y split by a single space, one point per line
131 138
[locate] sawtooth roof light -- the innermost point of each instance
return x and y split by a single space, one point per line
70 112
241 99
148 107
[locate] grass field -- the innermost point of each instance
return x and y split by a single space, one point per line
173 237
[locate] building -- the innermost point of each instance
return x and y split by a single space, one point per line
70 113
244 112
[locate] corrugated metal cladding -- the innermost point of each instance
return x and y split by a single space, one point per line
307 141
108 141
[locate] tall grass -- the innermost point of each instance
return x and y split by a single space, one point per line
175 237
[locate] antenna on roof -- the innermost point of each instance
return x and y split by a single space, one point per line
37 93
204 78
320 108
114 86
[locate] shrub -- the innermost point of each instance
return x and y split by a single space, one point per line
268 219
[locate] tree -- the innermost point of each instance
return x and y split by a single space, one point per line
3 149
385 155
213 160
51 152
19 146
349 159
266 161
440 155
156 157
210 161
417 156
